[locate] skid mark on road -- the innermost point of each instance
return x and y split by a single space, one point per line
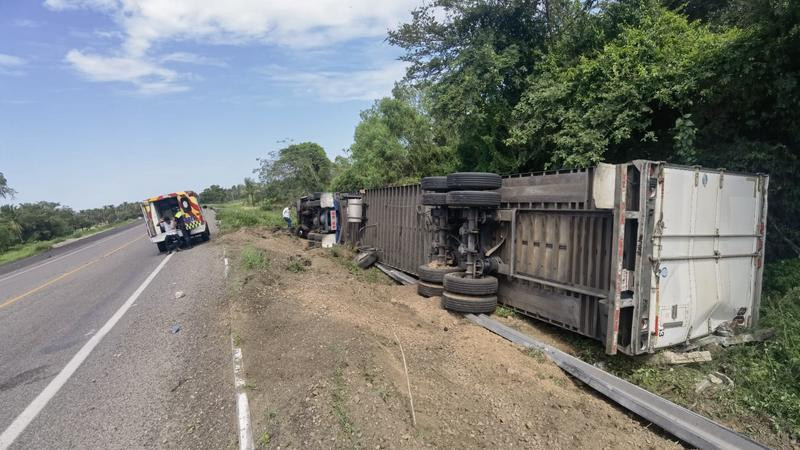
64 275
26 377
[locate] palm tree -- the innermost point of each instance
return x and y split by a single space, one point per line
5 190
250 188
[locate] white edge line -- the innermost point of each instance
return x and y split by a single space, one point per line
226 267
35 407
242 405
59 258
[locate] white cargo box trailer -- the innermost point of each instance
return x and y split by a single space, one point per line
642 255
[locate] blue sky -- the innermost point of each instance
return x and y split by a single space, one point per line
104 101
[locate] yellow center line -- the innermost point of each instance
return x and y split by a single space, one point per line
64 275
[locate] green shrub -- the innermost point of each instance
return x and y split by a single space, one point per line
253 259
781 276
296 267
502 311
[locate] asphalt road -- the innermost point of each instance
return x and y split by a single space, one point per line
141 385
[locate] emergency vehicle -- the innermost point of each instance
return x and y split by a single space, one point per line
167 206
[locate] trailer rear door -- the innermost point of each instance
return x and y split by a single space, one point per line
707 246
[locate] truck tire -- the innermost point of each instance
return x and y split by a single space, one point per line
474 181
366 259
302 231
162 246
470 199
467 303
206 235
426 289
435 274
434 199
435 184
460 283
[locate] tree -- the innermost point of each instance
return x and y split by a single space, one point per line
5 190
472 59
251 190
43 221
213 194
393 144
631 99
294 171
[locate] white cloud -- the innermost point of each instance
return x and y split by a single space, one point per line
10 65
340 86
11 61
298 24
191 58
149 78
294 23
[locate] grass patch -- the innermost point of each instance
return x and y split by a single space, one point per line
264 439
338 398
502 311
233 216
536 354
24 250
252 258
296 267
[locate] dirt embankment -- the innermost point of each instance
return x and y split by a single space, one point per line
324 367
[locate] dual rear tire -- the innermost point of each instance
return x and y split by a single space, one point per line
468 303
469 295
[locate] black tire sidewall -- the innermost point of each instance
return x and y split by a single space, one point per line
472 199
434 199
426 289
473 181
485 304
457 283
434 275
435 184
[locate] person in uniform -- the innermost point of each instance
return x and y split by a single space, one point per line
182 219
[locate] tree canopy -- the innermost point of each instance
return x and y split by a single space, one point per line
42 221
394 143
5 189
294 171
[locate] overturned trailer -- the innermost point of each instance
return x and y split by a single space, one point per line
641 256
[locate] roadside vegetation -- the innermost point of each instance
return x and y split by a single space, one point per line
30 228
253 259
235 215
25 250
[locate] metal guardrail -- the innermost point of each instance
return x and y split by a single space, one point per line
684 424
